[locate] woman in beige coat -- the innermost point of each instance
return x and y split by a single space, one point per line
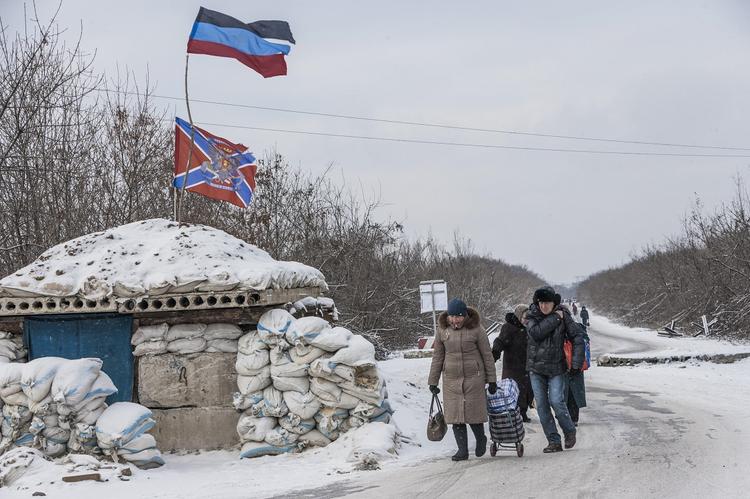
462 354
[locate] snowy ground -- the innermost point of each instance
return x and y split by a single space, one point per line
677 430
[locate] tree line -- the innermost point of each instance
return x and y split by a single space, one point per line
81 152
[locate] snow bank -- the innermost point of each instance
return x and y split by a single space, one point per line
153 257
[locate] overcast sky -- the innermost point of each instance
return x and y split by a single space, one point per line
666 71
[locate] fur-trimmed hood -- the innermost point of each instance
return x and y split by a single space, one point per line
472 319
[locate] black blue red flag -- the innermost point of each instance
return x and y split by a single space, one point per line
219 169
221 35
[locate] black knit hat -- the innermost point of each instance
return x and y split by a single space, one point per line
457 307
544 294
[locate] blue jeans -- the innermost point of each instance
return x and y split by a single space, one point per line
550 393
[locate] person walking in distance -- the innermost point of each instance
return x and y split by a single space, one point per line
462 355
548 326
585 316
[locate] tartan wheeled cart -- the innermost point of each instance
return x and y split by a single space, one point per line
507 432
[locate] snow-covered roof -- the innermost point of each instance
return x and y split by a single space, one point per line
154 257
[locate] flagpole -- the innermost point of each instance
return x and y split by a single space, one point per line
192 143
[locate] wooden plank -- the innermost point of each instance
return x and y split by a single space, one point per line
80 478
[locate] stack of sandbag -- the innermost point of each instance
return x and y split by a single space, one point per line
121 433
183 339
11 348
302 383
310 305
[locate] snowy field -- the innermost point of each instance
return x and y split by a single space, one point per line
676 430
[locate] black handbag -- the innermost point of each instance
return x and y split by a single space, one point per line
436 425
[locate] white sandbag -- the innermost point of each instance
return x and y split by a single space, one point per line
150 348
313 438
101 388
304 405
250 343
10 378
252 364
320 368
273 325
257 449
272 405
373 395
382 418
37 376
294 424
56 434
221 345
279 355
250 428
17 398
242 402
138 444
279 437
306 329
146 459
90 417
122 422
181 331
327 392
289 370
185 346
329 419
149 333
359 352
256 383
8 349
305 354
286 384
332 339
222 331
74 379
53 449
5 335
40 406
367 411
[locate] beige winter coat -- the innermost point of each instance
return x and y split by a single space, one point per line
464 358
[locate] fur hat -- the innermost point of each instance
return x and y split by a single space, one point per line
520 310
546 293
457 307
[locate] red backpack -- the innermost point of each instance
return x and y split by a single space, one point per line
568 350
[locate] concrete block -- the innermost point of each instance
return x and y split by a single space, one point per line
192 428
196 380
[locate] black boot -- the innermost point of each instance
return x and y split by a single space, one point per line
478 430
462 441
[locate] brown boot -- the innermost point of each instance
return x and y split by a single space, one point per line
570 440
552 448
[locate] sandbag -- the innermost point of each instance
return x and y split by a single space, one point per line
327 392
278 355
90 417
305 354
10 378
359 352
37 376
221 331
320 368
17 398
279 437
251 428
251 364
149 333
256 383
289 370
56 434
332 339
150 348
181 331
304 405
221 345
242 402
250 343
273 325
313 438
40 406
304 330
146 459
8 349
294 424
186 345
257 449
272 405
74 379
138 444
122 422
102 387
329 419
287 384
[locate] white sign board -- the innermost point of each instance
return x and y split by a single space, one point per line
433 296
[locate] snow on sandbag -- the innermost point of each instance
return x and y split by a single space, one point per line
185 346
332 339
242 402
294 424
329 419
359 352
304 405
149 333
257 449
251 364
121 422
256 383
306 329
181 331
250 343
138 444
373 443
369 411
37 376
327 392
273 325
250 428
74 379
222 331
221 345
272 405
145 459
157 347
382 418
305 354
313 438
279 437
291 384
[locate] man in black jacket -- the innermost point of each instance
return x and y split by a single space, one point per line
548 326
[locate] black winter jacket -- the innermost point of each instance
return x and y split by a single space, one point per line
513 341
546 336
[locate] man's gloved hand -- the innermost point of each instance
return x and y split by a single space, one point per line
492 388
573 372
434 389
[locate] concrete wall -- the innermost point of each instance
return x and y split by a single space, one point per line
196 428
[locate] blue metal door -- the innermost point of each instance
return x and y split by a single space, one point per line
105 336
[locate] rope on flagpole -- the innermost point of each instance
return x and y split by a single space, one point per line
180 206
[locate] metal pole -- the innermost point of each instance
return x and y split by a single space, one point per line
434 320
192 142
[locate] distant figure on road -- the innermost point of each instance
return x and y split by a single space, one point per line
585 316
549 325
463 356
575 309
512 343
